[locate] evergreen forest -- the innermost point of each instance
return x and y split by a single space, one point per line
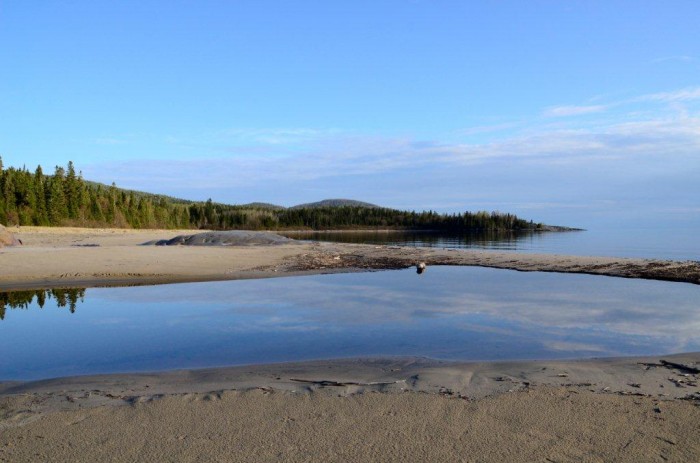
64 198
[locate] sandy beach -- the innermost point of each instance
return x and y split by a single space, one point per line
388 409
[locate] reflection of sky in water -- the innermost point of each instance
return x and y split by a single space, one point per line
448 312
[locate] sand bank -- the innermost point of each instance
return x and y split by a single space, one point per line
52 257
641 409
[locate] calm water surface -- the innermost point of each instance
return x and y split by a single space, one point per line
448 313
674 244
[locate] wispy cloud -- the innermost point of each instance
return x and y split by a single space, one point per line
402 172
686 94
276 136
567 111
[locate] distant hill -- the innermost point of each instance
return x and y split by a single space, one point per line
335 203
258 205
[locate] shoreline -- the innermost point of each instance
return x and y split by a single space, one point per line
667 377
52 258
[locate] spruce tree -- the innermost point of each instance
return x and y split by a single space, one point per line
71 187
40 216
58 209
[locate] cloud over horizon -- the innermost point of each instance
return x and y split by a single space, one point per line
629 163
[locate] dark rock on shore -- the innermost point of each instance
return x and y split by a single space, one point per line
224 238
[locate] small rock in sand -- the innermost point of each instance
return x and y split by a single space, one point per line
7 238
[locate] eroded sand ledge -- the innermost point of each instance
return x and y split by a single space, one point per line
633 409
87 258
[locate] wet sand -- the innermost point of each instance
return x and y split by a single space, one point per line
389 409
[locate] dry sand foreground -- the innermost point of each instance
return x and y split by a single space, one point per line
344 410
642 409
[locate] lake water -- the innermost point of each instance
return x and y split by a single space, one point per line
675 244
464 313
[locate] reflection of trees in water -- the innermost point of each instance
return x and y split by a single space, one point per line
487 238
23 299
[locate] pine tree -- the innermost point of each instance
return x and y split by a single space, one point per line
8 191
72 192
40 216
58 209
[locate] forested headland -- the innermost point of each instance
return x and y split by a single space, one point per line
64 198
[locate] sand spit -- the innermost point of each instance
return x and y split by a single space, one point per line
639 409
58 257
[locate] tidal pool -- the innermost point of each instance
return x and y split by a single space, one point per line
460 313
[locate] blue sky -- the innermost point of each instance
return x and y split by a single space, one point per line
579 113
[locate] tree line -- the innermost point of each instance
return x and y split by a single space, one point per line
66 199
227 217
